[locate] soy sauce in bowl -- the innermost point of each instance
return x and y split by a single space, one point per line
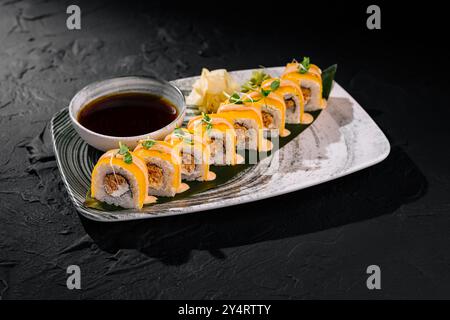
127 114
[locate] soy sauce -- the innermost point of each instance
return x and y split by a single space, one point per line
127 114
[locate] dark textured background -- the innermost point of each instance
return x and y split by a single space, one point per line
314 243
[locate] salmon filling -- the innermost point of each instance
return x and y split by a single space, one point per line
306 94
267 119
187 163
155 175
115 184
215 147
241 131
290 103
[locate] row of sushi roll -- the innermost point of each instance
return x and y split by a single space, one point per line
243 121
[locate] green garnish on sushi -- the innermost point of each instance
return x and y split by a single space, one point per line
255 81
179 133
273 86
125 152
304 66
236 98
207 120
147 144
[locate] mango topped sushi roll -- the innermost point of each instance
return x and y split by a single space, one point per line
218 132
293 98
163 164
309 77
247 121
272 108
120 178
194 155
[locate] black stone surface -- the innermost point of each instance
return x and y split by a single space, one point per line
315 243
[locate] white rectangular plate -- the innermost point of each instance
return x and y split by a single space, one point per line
343 139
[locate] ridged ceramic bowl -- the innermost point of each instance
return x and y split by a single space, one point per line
125 85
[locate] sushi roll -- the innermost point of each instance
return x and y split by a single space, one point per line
219 134
309 77
247 121
120 178
194 155
163 164
293 98
272 108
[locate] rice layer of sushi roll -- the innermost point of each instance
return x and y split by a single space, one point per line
194 155
120 181
163 164
219 134
309 78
